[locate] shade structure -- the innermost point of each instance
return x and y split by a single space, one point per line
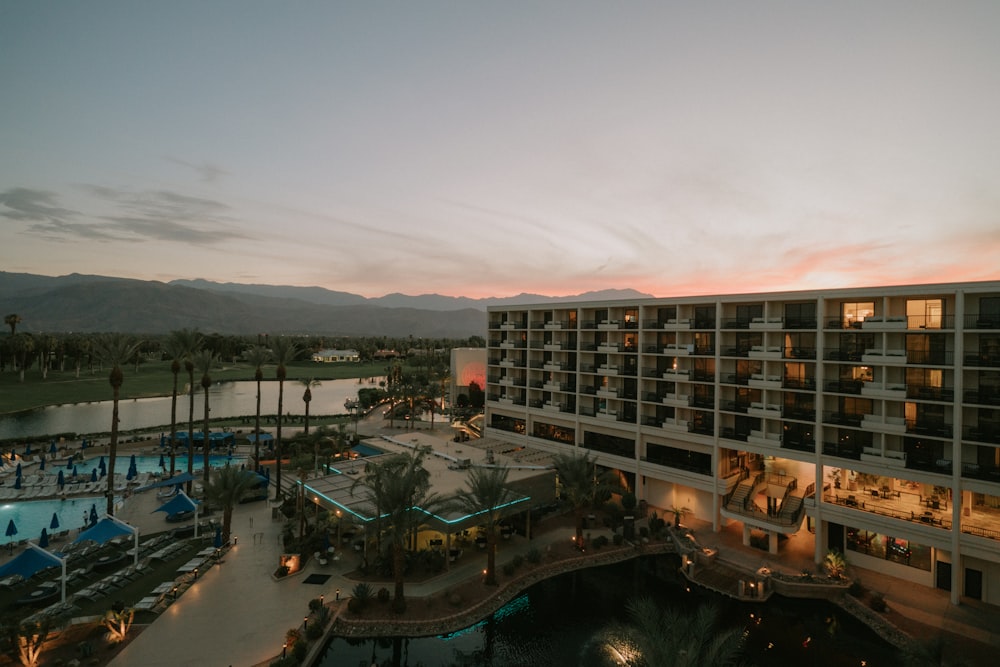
179 503
61 479
171 481
54 523
106 529
130 475
131 461
28 562
43 540
11 528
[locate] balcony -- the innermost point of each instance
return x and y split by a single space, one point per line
677 324
765 352
675 374
554 325
760 381
842 450
675 350
608 369
845 386
890 391
609 348
881 323
607 392
768 411
884 357
761 439
766 324
799 414
983 360
935 428
983 396
986 473
800 352
989 433
884 424
928 393
805 384
677 400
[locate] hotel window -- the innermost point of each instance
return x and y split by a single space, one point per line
924 313
853 314
925 348
989 313
800 315
704 317
746 313
631 318
746 341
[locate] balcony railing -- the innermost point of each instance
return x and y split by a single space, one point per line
982 321
984 360
983 396
982 433
938 429
988 473
843 450
928 393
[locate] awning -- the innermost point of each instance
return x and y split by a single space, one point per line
182 478
28 562
106 529
179 503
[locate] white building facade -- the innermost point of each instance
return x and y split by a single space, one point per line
864 419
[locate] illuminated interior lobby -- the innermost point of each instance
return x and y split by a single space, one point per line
862 419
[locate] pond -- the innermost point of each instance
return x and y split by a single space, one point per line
564 622
226 399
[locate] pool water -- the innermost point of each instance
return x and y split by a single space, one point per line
30 516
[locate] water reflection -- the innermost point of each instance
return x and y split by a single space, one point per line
569 621
228 399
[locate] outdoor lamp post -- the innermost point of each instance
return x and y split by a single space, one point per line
284 648
305 622
195 573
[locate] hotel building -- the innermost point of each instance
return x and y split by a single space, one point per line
863 419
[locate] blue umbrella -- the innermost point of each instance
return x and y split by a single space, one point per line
163 463
218 537
103 466
17 471
43 541
55 521
93 514
52 448
11 529
41 465
131 461
17 482
93 475
69 463
83 445
130 475
27 449
75 471
61 480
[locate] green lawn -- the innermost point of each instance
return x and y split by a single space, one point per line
152 379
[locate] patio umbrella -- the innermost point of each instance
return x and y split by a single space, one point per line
27 450
130 475
55 521
93 475
218 537
75 471
83 445
163 463
103 466
41 465
52 448
17 482
17 471
11 528
43 541
93 514
69 463
61 480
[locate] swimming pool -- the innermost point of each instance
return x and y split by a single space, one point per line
30 516
151 463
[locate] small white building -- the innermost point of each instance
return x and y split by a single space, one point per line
335 356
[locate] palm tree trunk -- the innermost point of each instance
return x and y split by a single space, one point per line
206 446
491 556
398 565
277 445
173 426
113 453
190 438
256 429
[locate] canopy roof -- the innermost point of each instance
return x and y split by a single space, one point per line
106 529
182 478
179 503
29 561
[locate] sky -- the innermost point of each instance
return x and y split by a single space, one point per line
479 149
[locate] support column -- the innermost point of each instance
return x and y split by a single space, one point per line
447 551
746 535
772 542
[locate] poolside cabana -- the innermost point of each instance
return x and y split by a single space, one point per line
32 560
107 529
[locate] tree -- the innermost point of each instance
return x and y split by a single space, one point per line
399 487
485 494
307 397
257 356
835 564
118 623
203 362
116 349
226 489
284 351
582 485
178 346
192 340
12 321
676 637
27 639
23 348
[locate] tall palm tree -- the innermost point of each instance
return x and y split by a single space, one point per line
257 356
193 340
12 321
116 349
486 493
203 362
399 487
307 397
226 489
176 347
284 351
582 485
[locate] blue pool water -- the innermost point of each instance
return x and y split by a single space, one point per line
30 516
151 463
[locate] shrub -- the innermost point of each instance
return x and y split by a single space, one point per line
314 631
299 651
857 589
600 541
454 599
315 604
878 603
292 636
517 561
643 531
534 555
509 569
618 539
383 595
398 605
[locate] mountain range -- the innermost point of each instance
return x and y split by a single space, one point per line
88 303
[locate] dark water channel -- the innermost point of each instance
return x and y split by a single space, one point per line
562 622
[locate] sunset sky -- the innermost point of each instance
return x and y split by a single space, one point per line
492 148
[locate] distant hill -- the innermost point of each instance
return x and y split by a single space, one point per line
85 303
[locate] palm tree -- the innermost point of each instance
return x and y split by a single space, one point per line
177 346
257 356
399 487
116 349
12 321
582 485
193 340
118 623
307 398
203 362
487 492
678 637
284 351
225 489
